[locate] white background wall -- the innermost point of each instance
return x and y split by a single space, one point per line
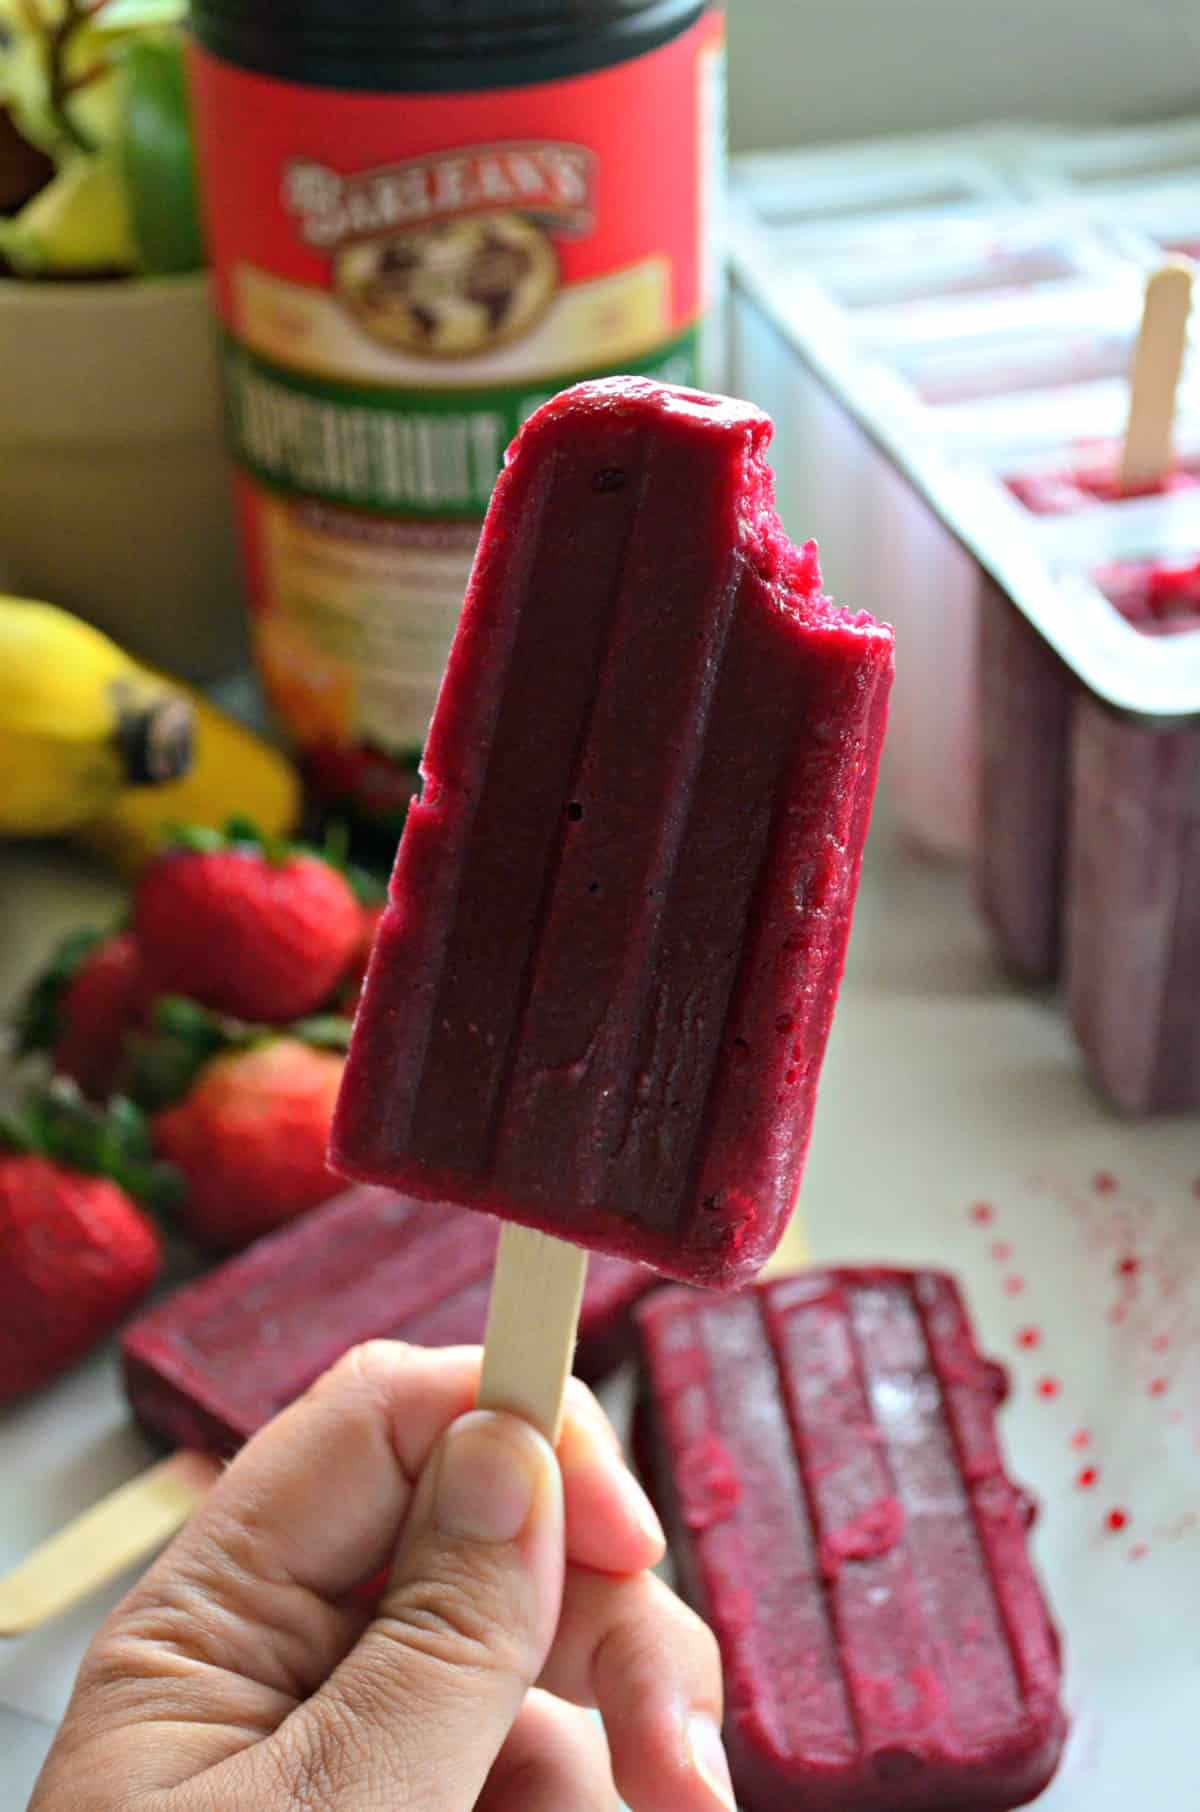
803 69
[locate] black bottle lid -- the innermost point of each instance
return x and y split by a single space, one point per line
398 46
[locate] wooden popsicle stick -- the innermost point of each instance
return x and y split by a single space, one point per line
122 1528
1146 455
536 1292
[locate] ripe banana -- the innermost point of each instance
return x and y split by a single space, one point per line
234 774
79 721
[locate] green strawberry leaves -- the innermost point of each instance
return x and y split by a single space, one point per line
163 1061
38 1021
242 833
56 1122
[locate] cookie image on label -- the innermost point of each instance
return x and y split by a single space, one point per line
450 289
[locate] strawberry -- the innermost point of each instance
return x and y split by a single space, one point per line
255 933
102 1002
83 1005
249 1137
76 1254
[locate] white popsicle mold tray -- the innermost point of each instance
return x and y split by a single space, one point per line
925 317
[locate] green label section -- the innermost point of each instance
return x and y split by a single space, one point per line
433 453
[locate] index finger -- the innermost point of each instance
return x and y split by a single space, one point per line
315 1504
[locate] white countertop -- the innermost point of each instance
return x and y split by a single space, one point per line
946 1093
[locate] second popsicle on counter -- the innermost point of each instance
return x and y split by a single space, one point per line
600 993
824 1453
205 1368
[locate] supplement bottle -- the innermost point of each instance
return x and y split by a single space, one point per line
424 217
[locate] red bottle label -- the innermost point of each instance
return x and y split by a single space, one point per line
401 280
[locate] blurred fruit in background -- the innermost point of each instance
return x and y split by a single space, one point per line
94 744
76 1250
80 723
98 90
114 492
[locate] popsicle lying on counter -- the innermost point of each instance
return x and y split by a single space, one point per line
211 1363
823 1450
221 1356
600 994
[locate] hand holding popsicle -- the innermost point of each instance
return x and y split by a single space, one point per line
239 1674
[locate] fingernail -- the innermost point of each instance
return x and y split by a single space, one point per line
489 1473
638 1506
708 1758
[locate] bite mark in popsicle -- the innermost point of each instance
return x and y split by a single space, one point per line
646 791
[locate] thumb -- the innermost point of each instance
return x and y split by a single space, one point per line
418 1711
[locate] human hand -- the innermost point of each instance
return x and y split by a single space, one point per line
240 1673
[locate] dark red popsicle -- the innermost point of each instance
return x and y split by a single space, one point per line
600 995
1133 908
210 1364
1025 697
824 1451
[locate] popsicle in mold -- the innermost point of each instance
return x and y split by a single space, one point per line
823 1450
600 993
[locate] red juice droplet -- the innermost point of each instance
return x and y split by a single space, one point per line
1138 1551
1158 1387
1087 1478
1129 1267
1160 1343
1014 1285
1117 1520
1117 1314
1081 1438
1048 1387
1104 1182
982 1213
1001 1251
1029 1337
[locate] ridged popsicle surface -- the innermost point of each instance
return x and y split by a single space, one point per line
824 1451
600 994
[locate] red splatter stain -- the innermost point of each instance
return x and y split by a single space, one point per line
1117 1314
1138 1551
1158 1387
1087 1478
1116 1520
1014 1285
1104 1182
1081 1438
982 1213
1129 1267
1160 1343
1001 1251
1029 1337
1048 1387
